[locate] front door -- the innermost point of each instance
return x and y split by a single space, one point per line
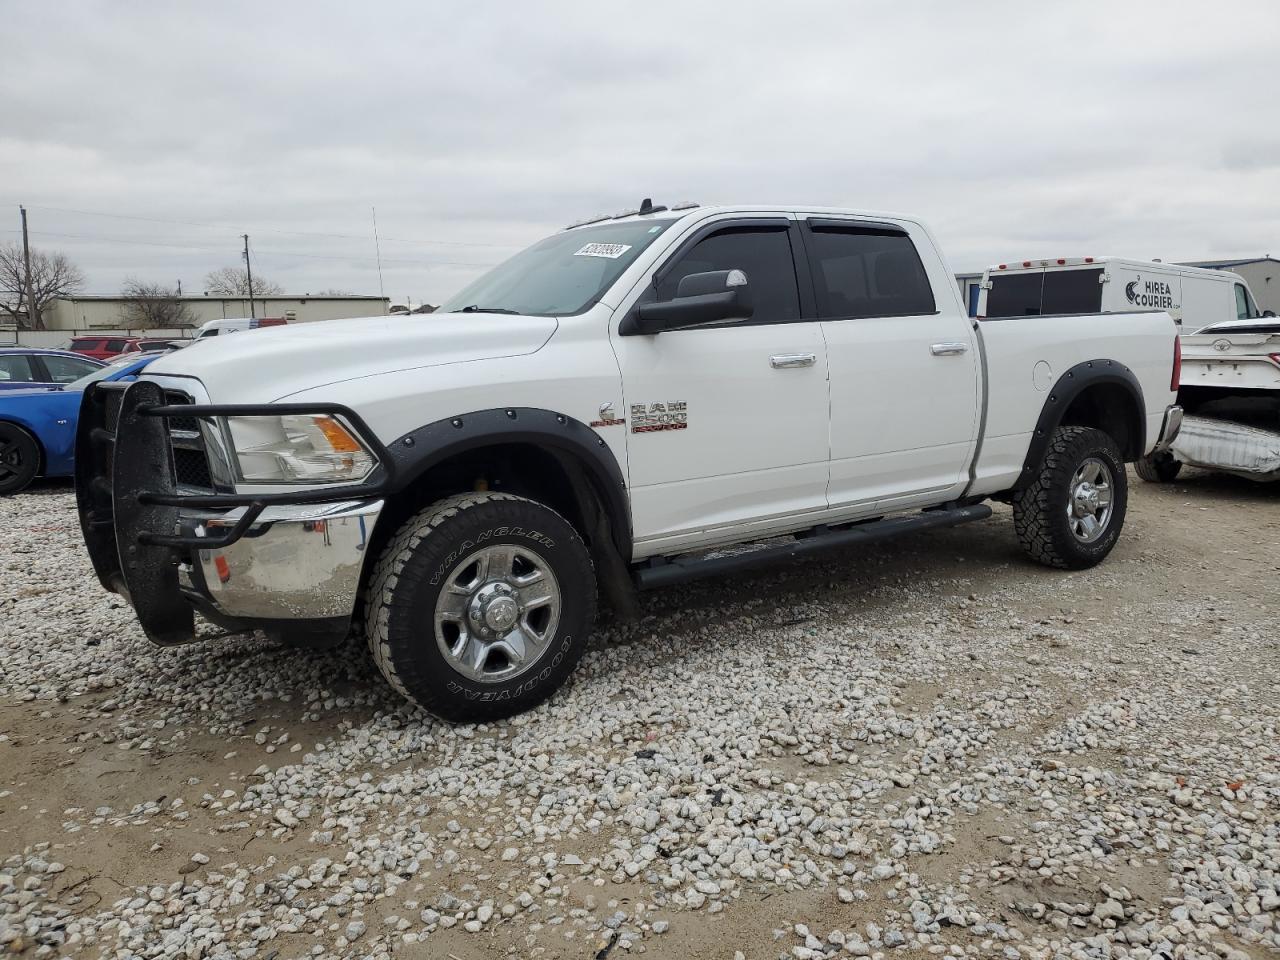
726 424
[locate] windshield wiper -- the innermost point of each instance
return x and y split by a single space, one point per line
476 308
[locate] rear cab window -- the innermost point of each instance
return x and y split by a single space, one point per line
85 343
865 270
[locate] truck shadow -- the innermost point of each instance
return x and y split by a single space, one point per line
867 582
1206 485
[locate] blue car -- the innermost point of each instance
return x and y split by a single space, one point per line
38 426
22 368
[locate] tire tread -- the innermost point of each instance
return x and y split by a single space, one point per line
386 573
1034 509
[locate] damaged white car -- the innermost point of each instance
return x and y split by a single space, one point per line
1230 391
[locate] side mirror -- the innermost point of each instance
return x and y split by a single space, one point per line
1268 313
700 298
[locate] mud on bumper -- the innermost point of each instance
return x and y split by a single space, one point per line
283 562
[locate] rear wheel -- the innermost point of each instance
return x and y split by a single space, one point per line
1071 515
481 605
19 458
1158 468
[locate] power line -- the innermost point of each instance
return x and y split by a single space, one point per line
170 244
295 233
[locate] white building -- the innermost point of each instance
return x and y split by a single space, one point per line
108 313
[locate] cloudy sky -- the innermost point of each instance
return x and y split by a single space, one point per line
144 138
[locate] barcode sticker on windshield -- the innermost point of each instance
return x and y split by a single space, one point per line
611 250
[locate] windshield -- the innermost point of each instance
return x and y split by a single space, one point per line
115 366
563 274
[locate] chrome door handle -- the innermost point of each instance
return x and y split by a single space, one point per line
948 349
781 361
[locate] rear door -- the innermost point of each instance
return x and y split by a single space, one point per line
727 423
904 376
59 369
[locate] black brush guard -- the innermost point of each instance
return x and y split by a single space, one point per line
130 506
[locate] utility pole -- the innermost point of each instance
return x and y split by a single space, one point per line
248 269
179 288
33 321
378 249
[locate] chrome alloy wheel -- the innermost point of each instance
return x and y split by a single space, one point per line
1089 500
497 612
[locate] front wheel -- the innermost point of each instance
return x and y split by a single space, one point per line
1071 515
1158 468
19 459
480 606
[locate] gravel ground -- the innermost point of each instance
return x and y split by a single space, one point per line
932 748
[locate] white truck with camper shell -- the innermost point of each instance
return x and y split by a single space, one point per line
597 414
1193 296
1230 376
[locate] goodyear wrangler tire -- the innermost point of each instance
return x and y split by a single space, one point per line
1071 515
480 606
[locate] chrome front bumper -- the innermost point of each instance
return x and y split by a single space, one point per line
294 562
1169 428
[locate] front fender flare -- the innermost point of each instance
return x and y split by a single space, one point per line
417 451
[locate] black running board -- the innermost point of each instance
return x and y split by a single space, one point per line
662 573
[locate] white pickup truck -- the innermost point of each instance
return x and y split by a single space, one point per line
588 417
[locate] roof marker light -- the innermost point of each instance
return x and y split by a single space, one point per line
1026 263
1061 261
1088 259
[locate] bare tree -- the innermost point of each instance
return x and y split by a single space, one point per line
234 282
151 305
52 276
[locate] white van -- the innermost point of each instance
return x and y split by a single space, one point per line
235 324
1195 297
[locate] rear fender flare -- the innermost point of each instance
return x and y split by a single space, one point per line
1069 386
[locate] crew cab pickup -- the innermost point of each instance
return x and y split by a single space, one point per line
595 415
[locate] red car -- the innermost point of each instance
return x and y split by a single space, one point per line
104 348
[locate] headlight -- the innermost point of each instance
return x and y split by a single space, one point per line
298 448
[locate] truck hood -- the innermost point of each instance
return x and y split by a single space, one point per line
262 366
